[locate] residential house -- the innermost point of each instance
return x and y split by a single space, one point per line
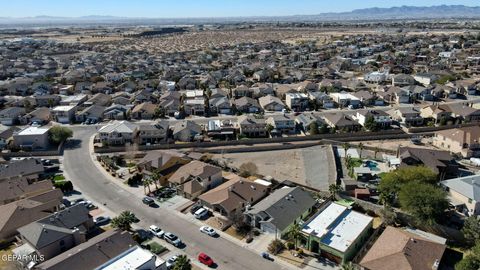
234 196
247 105
153 133
24 211
251 127
322 99
304 120
296 101
283 124
365 97
195 178
194 103
336 232
462 112
382 118
99 99
220 105
220 129
464 194
135 258
464 141
29 168
162 163
440 162
186 131
170 102
116 112
39 116
426 79
92 113
64 114
92 253
144 110
47 100
75 100
340 121
271 103
18 188
117 133
398 248
408 116
344 99
10 116
6 135
58 232
435 113
276 213
375 77
401 80
31 138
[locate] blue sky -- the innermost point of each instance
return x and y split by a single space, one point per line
198 8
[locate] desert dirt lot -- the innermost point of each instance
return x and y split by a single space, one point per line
312 166
394 144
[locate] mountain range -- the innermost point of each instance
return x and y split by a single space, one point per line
393 13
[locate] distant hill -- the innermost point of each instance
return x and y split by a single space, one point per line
393 13
407 12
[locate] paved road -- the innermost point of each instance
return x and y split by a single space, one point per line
87 178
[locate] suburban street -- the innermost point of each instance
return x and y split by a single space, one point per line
87 178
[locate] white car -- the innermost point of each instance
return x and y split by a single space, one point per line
208 230
172 239
201 213
171 262
156 231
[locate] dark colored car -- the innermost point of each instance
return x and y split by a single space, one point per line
195 208
148 201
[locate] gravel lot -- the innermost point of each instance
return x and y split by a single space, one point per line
312 166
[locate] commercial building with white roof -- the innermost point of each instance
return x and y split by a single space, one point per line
337 232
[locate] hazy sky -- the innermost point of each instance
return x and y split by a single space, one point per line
198 8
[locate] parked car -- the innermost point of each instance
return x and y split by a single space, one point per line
148 201
101 220
201 213
156 231
172 239
208 230
194 208
171 262
205 259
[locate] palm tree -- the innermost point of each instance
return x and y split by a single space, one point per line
346 146
124 220
375 151
146 183
294 233
360 147
348 266
334 190
182 263
156 176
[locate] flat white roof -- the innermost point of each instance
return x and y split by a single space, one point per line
33 131
337 226
63 108
133 258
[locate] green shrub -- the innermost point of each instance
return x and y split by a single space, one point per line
64 186
276 246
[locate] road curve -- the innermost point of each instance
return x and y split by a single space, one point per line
87 178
